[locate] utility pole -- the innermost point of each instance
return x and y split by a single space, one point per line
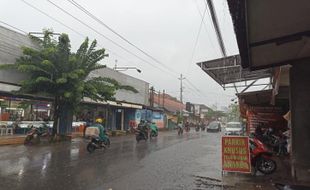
115 66
158 98
152 96
164 98
181 93
181 87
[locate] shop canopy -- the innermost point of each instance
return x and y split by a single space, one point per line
256 98
271 32
228 70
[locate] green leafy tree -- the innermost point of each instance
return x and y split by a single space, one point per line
64 76
233 112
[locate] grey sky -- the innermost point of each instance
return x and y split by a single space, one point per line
166 29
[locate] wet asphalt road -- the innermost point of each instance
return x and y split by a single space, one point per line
168 162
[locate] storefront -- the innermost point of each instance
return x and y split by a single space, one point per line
266 39
256 109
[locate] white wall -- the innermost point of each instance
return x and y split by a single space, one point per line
10 49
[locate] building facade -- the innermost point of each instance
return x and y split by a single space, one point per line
118 115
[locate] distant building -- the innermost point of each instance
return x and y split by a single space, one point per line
171 107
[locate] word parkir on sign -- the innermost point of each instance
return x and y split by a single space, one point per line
236 154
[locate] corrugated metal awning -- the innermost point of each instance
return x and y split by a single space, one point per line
228 70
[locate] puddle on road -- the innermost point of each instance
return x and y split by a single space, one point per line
203 183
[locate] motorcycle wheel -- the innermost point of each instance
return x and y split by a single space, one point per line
27 140
266 166
153 134
90 147
107 143
179 131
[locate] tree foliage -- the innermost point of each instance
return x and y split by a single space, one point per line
55 71
233 112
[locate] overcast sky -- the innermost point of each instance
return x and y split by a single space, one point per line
165 29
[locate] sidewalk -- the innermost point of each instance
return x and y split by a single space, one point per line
260 181
12 140
19 139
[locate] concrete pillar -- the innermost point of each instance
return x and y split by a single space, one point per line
300 113
123 120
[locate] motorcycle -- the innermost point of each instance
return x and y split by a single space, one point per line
203 128
96 143
180 130
270 139
261 157
153 134
197 128
140 135
35 134
154 130
187 129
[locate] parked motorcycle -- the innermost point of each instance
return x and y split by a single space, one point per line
203 127
35 135
270 139
141 135
261 157
96 143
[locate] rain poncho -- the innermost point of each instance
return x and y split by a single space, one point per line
102 132
153 127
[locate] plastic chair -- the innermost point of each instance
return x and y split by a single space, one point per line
2 131
9 131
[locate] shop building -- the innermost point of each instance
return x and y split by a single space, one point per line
118 115
273 41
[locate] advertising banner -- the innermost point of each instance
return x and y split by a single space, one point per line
236 154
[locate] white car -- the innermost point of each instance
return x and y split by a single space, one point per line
233 128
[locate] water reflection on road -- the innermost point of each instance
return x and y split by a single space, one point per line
168 161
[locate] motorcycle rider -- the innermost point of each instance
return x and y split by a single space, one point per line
187 126
102 131
142 126
154 127
180 127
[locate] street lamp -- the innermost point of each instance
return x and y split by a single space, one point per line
125 68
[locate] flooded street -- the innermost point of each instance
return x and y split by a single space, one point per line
191 161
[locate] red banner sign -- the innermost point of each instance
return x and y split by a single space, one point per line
236 154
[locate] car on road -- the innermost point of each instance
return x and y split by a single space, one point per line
234 128
214 126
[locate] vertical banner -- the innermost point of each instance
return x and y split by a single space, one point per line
236 154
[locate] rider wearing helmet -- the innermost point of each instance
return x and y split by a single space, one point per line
102 132
142 126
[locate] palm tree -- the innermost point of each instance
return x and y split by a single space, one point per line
55 72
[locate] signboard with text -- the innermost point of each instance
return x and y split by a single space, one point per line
236 154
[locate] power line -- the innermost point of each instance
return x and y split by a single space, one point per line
116 33
75 31
63 24
205 25
99 33
22 31
197 38
202 93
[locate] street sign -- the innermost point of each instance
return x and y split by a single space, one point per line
236 154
